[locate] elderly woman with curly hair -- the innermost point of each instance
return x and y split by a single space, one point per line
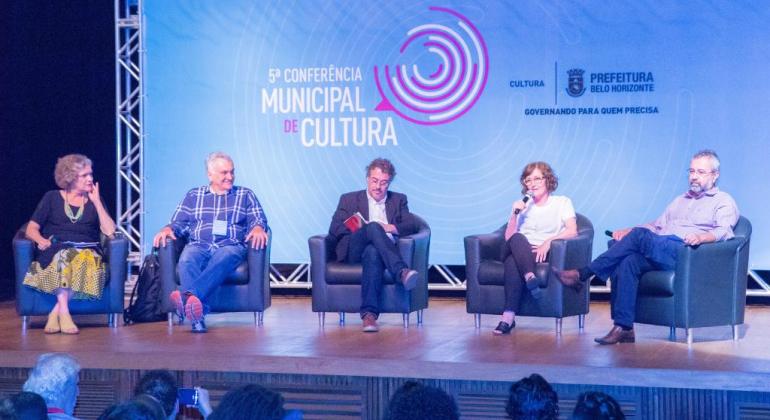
65 227
533 224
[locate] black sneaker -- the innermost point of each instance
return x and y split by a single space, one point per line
199 327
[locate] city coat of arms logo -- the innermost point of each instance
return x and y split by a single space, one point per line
575 86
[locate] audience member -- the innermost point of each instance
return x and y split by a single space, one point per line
153 405
7 411
29 406
595 405
532 398
160 385
250 402
131 410
415 401
55 378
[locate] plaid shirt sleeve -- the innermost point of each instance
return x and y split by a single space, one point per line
183 218
255 216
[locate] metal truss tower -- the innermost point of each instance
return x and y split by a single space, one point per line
129 95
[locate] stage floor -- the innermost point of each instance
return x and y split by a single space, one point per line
446 346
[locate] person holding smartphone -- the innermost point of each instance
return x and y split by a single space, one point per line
161 386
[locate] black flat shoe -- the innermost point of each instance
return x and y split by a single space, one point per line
503 328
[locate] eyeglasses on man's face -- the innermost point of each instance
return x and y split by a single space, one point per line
699 172
377 181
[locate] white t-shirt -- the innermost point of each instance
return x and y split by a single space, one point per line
540 222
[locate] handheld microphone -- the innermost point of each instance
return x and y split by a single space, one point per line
608 233
524 200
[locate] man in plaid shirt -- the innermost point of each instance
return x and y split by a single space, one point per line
220 221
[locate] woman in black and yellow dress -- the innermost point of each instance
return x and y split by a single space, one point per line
65 226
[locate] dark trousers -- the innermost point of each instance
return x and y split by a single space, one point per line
518 260
626 261
375 251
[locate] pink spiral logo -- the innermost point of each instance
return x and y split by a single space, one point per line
460 67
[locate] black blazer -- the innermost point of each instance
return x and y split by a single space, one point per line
395 206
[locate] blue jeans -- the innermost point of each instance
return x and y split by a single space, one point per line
376 252
626 261
201 270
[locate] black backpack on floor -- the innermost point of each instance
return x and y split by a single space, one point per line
146 303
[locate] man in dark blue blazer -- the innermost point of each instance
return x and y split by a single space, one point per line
373 245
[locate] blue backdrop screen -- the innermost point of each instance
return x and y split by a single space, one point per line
616 96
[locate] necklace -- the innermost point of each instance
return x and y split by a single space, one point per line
68 210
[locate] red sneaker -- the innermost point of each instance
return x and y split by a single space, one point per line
176 300
193 309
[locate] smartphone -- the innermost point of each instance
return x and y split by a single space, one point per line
188 396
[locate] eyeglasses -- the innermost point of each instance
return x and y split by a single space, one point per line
535 180
380 182
700 172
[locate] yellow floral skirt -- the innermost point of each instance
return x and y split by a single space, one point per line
81 270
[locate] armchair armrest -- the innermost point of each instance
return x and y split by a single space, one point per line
318 251
483 246
571 253
23 253
414 250
116 255
318 257
258 261
259 271
486 246
115 248
167 258
705 274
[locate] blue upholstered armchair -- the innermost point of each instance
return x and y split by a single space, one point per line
337 286
32 302
708 287
485 277
247 289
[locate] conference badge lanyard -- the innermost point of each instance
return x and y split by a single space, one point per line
220 226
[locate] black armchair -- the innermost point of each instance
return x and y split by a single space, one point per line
30 302
247 289
485 277
708 287
337 286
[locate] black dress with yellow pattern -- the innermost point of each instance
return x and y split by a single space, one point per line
74 259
